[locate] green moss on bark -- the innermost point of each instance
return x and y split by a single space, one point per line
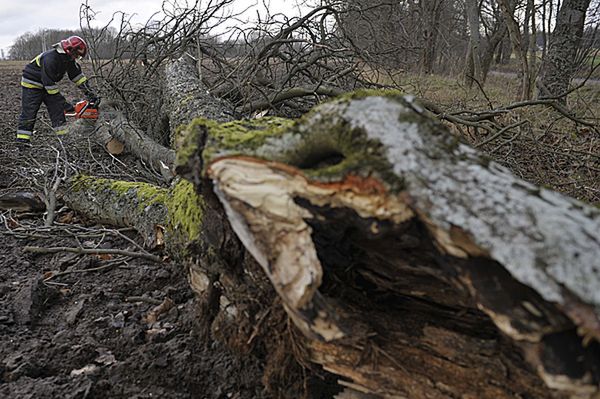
146 194
184 207
321 143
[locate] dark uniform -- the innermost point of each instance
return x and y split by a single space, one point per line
39 83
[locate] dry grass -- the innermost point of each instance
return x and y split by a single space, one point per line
548 149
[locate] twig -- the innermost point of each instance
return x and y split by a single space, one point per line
143 299
258 325
52 250
552 103
513 138
51 192
499 133
481 90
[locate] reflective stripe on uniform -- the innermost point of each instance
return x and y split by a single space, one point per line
61 130
23 135
52 89
31 84
36 60
79 79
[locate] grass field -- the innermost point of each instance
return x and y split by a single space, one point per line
547 149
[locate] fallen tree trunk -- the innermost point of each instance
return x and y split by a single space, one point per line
346 202
412 266
186 97
112 124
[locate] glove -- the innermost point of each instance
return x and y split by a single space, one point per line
92 97
89 93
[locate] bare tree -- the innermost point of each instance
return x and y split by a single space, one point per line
474 53
559 66
508 11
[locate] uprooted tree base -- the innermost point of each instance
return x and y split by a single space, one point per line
407 264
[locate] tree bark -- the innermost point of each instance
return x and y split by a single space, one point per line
431 11
350 216
558 67
186 97
492 44
474 54
112 124
508 9
504 51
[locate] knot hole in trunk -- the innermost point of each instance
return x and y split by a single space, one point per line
321 159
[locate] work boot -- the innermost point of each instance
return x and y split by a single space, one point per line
61 130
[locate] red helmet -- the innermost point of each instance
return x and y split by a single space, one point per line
74 46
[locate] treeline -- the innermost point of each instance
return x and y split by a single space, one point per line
107 43
28 45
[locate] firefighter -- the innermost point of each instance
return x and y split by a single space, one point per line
39 85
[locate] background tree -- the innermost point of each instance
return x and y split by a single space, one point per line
29 45
474 54
559 64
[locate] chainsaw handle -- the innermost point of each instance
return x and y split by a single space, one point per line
82 110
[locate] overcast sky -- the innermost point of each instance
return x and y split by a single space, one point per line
20 16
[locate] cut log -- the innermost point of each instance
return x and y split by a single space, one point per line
185 97
411 265
367 209
114 146
22 202
113 125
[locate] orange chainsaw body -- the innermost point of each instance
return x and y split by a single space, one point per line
84 110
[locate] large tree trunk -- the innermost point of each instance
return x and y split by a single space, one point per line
558 67
414 220
410 265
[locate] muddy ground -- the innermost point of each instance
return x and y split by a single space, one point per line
83 326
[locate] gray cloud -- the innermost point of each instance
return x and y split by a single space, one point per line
20 16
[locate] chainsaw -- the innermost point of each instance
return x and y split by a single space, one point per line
85 109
